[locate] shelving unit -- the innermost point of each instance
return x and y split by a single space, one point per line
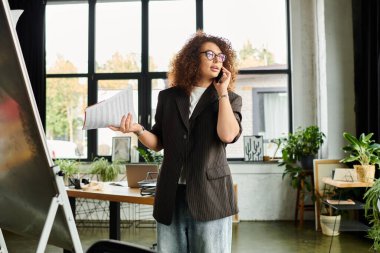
347 225
351 225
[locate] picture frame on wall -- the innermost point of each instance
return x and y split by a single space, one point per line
253 148
121 148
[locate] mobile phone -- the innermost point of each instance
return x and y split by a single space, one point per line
217 79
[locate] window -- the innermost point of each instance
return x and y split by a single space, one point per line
118 37
157 86
264 110
66 38
106 89
257 31
66 99
170 24
107 46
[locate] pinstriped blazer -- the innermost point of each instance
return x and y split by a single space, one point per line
193 144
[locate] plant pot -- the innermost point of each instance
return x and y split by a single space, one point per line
365 173
328 223
307 162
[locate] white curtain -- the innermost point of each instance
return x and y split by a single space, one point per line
275 115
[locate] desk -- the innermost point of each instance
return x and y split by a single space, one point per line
115 195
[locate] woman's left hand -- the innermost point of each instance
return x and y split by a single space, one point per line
222 86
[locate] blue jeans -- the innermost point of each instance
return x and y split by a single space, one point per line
185 234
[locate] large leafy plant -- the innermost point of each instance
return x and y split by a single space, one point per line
372 213
363 150
301 143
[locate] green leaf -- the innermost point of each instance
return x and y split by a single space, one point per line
368 137
351 139
149 155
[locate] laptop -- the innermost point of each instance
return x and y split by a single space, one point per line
139 172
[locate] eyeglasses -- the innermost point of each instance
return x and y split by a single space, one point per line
211 56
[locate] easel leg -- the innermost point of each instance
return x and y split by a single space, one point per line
67 209
3 246
48 225
60 199
73 208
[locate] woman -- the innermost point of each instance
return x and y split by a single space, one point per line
195 119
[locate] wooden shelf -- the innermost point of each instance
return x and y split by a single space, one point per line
353 226
357 206
342 184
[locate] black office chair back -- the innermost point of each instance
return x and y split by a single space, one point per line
113 246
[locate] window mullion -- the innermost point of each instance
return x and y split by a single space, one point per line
199 14
92 82
290 85
144 103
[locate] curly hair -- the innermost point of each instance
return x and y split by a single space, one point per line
183 72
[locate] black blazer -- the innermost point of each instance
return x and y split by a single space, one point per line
194 145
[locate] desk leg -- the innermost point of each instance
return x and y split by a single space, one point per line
114 220
73 209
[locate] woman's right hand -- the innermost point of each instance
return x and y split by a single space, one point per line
127 125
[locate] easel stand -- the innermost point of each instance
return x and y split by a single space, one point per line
3 247
60 200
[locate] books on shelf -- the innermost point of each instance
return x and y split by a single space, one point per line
340 201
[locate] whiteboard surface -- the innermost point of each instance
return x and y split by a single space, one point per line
27 183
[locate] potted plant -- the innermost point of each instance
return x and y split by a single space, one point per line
363 151
105 170
330 223
372 213
298 152
149 155
329 217
69 168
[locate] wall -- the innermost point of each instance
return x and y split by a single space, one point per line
303 62
340 73
262 194
322 74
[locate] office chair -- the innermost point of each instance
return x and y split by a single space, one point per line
114 246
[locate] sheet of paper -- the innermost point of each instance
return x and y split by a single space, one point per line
15 16
110 111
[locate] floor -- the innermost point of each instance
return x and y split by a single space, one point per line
261 237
